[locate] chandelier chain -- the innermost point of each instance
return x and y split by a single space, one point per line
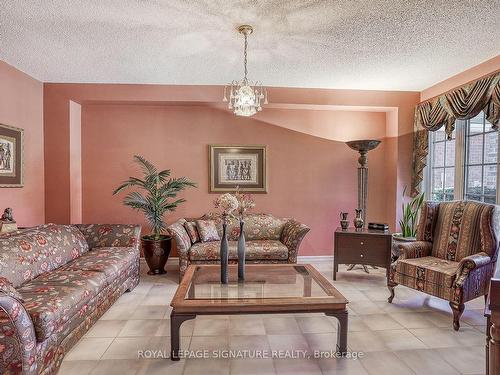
245 54
245 98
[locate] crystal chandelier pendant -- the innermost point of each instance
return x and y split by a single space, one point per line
245 98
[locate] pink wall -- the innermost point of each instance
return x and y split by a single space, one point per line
303 127
473 73
310 178
21 105
297 100
75 166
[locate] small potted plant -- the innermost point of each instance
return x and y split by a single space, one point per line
157 191
408 223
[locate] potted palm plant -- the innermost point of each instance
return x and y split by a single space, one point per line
408 223
154 198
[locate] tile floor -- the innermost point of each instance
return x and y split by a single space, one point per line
413 335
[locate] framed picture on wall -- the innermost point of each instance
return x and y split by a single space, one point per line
243 166
11 156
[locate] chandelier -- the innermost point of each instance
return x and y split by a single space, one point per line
245 97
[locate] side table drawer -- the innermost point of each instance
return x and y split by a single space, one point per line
361 249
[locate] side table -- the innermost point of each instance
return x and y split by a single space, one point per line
362 246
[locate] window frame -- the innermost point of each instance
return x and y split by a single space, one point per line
462 128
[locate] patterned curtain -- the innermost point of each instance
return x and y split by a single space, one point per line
462 103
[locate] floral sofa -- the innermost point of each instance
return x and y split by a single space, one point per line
55 282
268 240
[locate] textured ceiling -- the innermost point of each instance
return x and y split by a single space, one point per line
369 44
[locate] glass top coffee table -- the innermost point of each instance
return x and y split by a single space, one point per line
267 289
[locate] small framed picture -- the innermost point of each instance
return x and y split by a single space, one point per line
233 166
11 156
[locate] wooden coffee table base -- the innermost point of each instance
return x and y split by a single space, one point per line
267 289
176 321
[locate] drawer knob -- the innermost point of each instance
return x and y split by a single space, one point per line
362 243
361 255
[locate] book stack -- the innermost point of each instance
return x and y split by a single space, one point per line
378 226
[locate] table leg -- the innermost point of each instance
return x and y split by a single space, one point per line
176 321
307 286
341 329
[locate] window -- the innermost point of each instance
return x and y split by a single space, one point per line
481 160
465 166
442 172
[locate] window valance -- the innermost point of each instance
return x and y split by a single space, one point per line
462 103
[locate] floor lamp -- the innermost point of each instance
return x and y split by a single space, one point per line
363 146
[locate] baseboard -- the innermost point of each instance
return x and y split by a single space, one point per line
173 260
314 258
300 259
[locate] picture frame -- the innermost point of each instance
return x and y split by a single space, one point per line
11 156
242 166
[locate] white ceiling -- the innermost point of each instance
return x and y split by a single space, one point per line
367 44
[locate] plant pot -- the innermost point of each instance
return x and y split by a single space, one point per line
156 253
397 239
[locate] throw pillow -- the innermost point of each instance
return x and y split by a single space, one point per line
192 231
207 230
7 288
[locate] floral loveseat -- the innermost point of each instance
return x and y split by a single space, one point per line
268 240
55 282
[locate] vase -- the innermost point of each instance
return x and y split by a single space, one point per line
224 255
156 253
398 239
241 253
344 222
358 220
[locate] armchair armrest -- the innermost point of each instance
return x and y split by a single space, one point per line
183 244
468 264
182 240
111 235
8 289
17 338
292 235
417 249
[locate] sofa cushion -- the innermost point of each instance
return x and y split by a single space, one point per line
263 227
207 230
429 270
192 231
30 253
55 297
257 226
255 250
109 260
105 235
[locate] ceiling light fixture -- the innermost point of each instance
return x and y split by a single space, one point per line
245 98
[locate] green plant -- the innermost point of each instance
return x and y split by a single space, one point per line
158 190
411 209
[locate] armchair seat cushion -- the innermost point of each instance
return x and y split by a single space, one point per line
430 270
255 250
109 260
53 298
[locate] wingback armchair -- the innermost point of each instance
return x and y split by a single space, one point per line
453 256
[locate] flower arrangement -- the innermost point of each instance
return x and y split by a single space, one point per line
245 202
228 203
